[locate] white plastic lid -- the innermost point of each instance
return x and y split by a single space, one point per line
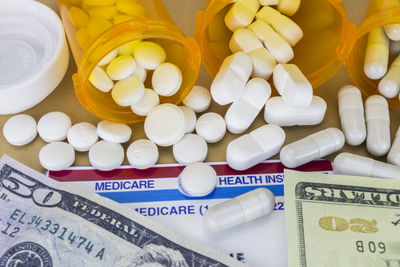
33 54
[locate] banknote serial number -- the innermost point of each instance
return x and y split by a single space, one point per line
61 232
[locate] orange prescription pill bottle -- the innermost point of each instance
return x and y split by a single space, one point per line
96 27
330 39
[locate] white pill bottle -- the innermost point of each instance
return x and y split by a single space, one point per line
330 39
96 27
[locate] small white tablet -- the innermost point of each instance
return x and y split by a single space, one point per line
114 132
211 126
106 156
20 130
190 148
142 154
82 136
197 179
54 126
57 156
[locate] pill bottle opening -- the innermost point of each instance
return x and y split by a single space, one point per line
319 54
355 62
180 50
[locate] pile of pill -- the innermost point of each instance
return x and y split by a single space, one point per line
382 42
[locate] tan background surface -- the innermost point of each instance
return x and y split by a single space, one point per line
183 12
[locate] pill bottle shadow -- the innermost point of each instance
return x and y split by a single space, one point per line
157 26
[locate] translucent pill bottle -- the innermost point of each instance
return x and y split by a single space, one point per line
319 54
96 27
379 13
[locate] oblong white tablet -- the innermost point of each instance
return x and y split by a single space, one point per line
121 67
56 156
211 126
114 132
244 40
243 111
292 85
20 130
197 179
149 100
190 119
278 112
190 148
106 156
198 99
250 149
142 154
54 126
241 14
263 63
165 124
82 136
128 91
167 79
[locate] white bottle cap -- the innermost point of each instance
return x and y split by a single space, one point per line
197 179
33 54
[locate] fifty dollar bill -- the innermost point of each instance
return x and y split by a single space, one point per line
44 223
335 220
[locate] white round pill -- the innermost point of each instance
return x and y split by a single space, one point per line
167 79
142 154
197 179
198 99
128 91
190 119
165 124
149 55
82 136
54 126
106 156
114 132
149 100
20 130
100 80
121 67
211 126
190 148
57 156
108 58
141 73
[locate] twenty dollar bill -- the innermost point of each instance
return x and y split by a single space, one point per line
342 221
44 223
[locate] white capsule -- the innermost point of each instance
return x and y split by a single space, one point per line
394 153
54 126
191 148
351 164
149 55
288 7
20 130
243 111
149 100
198 99
56 156
278 112
108 58
211 126
99 78
389 86
283 25
292 85
197 179
142 154
165 124
121 67
190 119
114 132
312 147
82 136
276 45
239 210
128 91
106 156
376 54
263 63
241 14
231 79
392 31
244 40
167 79
378 125
351 113
269 2
250 149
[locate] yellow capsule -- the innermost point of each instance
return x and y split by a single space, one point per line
98 2
128 48
82 37
107 12
131 8
122 18
78 17
97 25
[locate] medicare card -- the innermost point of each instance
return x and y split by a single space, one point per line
153 193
